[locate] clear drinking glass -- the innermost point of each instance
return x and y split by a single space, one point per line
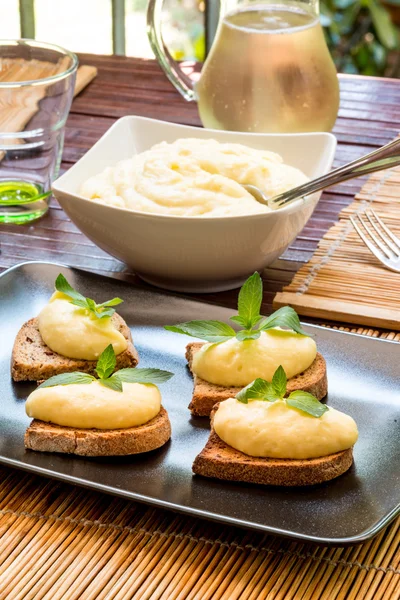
269 69
36 89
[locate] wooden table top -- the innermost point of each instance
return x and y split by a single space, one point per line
368 118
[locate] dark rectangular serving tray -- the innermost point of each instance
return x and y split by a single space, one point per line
363 381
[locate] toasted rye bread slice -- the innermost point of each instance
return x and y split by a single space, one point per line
220 461
32 359
46 437
206 395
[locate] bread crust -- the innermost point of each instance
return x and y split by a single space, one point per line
33 360
205 395
220 461
47 437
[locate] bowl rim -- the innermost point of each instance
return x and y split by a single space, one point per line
289 209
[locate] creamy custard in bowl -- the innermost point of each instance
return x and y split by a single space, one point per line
93 405
237 363
72 332
193 178
276 430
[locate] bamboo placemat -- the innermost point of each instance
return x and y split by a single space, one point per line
343 281
58 542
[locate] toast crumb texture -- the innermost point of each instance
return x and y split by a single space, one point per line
220 461
205 395
46 437
32 360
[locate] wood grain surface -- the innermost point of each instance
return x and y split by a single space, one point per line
368 118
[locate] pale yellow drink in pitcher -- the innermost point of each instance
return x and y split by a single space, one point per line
269 70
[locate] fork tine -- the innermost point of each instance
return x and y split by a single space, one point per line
382 224
384 238
376 240
375 251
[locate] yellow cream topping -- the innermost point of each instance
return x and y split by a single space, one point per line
73 332
275 430
235 363
92 405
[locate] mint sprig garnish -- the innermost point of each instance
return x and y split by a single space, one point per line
212 331
98 310
105 370
279 382
249 302
285 316
259 389
307 403
106 363
252 323
67 379
144 375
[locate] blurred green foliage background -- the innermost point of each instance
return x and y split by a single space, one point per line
363 35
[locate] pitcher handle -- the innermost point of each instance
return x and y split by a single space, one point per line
182 82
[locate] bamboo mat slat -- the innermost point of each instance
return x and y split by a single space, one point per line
59 542
343 281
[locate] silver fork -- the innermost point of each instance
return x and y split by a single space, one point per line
382 242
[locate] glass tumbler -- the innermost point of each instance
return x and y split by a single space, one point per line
36 90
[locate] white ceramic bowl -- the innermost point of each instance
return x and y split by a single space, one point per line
191 254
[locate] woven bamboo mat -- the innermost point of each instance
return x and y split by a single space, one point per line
343 281
61 542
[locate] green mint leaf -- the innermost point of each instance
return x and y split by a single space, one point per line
242 322
211 331
64 287
259 389
279 382
139 375
99 310
249 301
106 363
283 317
112 302
239 320
247 335
81 303
106 312
67 379
114 383
91 304
307 403
258 322
104 309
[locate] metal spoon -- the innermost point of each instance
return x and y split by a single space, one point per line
383 158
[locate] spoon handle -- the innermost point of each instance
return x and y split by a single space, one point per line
383 158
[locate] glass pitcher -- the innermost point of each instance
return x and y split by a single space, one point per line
269 69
